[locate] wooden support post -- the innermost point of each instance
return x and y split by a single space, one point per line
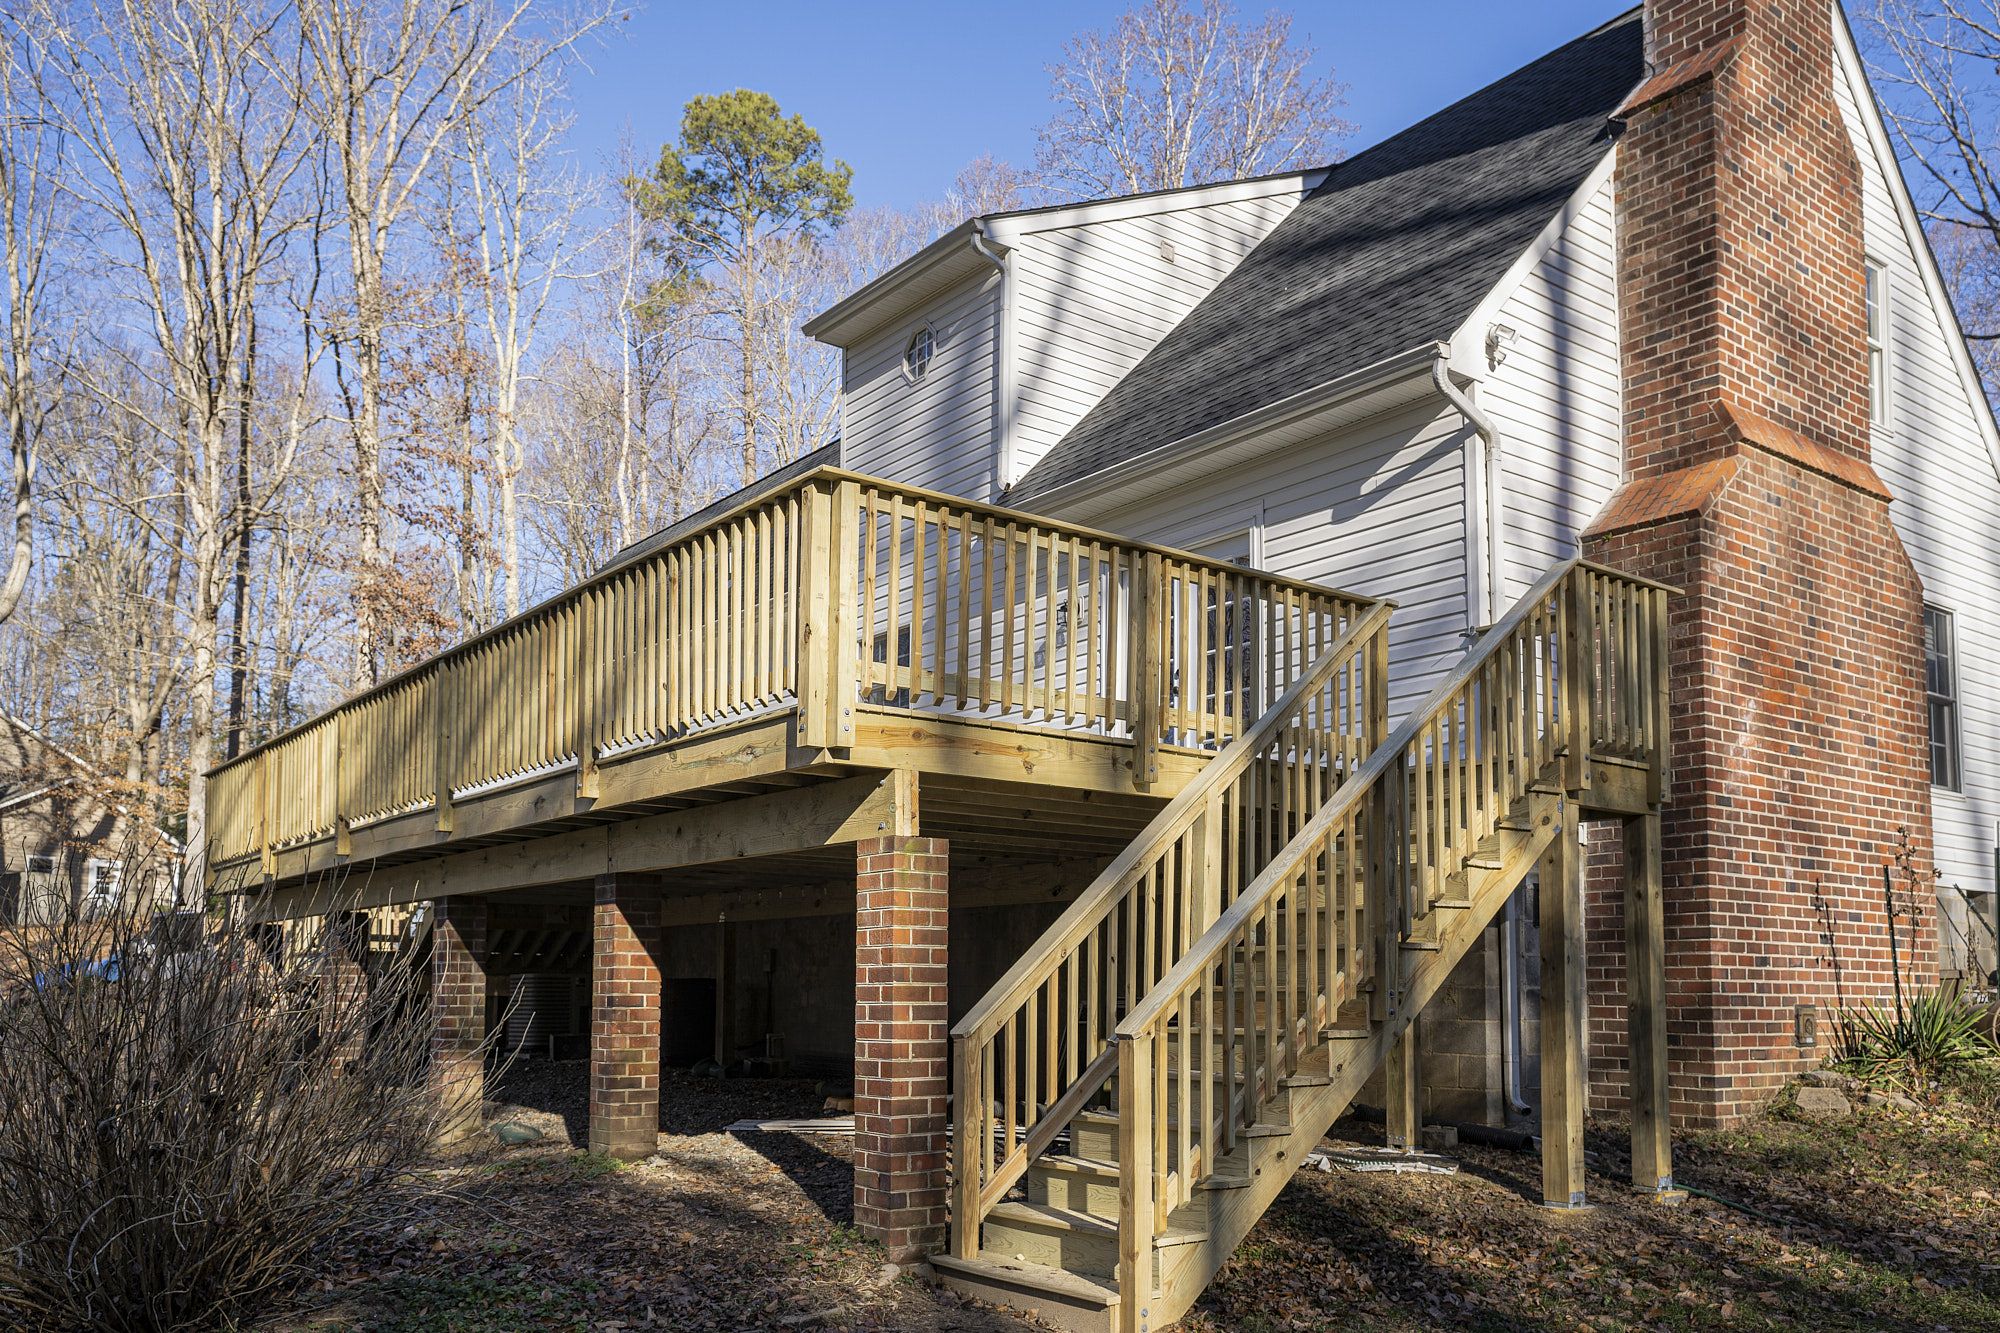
969 1129
1646 1011
1563 1013
1402 1088
1148 678
1135 1185
725 991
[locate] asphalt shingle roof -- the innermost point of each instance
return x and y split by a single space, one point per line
1392 251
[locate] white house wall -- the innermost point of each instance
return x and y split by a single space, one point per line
936 431
1555 397
1094 298
1376 510
1947 510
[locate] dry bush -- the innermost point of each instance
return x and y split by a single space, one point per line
181 1126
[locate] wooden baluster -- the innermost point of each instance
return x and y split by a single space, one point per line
588 660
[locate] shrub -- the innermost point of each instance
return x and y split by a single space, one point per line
1935 1036
181 1126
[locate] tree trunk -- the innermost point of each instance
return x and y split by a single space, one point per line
239 618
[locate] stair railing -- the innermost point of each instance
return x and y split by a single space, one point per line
1325 921
1037 1049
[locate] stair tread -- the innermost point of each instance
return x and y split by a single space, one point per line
1056 1281
1075 1166
1068 1219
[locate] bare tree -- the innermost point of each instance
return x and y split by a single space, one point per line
394 85
30 164
1171 96
195 144
1935 63
526 218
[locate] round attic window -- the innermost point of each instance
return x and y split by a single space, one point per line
917 357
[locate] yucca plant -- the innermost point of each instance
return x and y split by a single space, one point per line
1931 1036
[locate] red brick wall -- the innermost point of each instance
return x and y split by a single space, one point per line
902 1046
458 1007
1799 725
625 1018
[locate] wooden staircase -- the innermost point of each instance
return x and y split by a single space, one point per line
1133 1095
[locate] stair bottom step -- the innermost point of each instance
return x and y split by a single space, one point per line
1069 1302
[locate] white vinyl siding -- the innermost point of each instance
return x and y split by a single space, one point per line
1377 510
1555 398
936 431
1931 453
1093 299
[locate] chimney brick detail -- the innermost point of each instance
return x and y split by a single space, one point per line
1799 763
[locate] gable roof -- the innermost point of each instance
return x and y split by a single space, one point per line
1392 251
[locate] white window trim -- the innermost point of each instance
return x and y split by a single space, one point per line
909 345
1957 697
117 880
1882 386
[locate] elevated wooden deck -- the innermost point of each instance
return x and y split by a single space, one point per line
1049 688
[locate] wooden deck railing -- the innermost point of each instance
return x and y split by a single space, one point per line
1036 1049
825 595
1579 662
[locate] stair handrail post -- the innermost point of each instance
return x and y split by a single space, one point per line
1148 610
1663 748
967 1143
828 682
1579 676
444 712
1135 1181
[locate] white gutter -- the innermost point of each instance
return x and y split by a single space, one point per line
1003 365
1485 549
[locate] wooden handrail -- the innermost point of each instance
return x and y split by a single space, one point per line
1577 663
831 590
1175 876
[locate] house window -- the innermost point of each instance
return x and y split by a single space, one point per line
103 883
1878 344
878 693
41 865
1941 684
917 356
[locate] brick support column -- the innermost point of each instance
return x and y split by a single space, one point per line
458 1014
902 1044
344 987
625 1018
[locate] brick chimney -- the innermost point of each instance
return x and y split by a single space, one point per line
1800 760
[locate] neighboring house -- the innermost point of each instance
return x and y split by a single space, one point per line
66 846
1173 717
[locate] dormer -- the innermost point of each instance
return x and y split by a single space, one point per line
963 365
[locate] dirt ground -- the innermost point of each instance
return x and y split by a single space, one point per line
1887 1220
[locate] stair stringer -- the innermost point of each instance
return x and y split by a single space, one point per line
1228 1215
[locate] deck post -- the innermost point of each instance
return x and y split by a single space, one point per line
1579 669
458 1002
902 1043
1646 1006
625 1017
1402 1089
1563 1013
344 984
1148 609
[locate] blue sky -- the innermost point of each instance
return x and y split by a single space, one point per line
908 93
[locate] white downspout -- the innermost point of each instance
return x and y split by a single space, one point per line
1003 357
1485 542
